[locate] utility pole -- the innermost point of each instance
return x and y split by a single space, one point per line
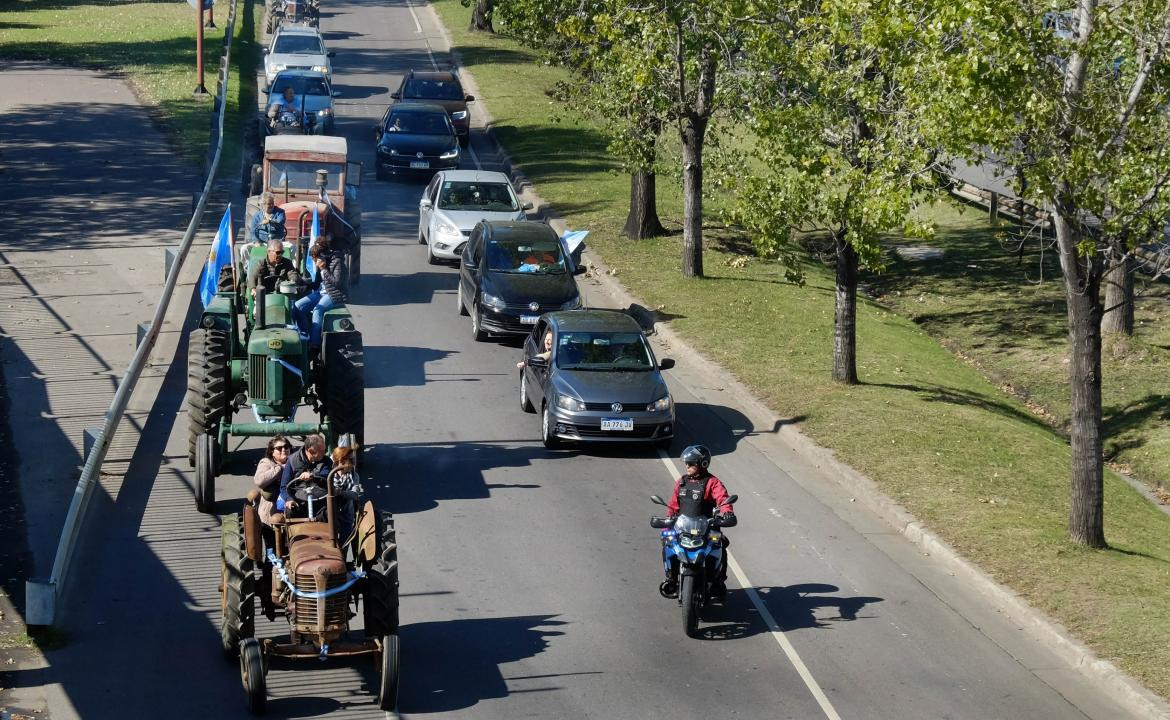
200 90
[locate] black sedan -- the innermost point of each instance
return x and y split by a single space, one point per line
415 139
592 376
511 273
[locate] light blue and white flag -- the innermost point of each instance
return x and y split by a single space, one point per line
573 242
217 259
314 231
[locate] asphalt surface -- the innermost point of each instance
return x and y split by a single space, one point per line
528 576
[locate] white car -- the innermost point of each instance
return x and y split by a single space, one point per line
296 47
454 201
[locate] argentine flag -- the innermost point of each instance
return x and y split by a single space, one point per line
220 256
310 266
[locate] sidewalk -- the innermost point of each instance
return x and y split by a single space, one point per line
93 196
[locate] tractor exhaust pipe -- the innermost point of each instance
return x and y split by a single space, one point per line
260 294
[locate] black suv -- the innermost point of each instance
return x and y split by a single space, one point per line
510 274
442 88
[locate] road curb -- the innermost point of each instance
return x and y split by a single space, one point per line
1103 674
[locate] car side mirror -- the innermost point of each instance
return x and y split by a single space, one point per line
396 95
336 93
537 362
657 500
266 90
331 54
265 51
526 206
468 98
666 364
425 203
378 132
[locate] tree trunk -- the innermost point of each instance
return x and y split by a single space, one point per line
1118 318
692 261
1083 294
845 320
481 16
642 222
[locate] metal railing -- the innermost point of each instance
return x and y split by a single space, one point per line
43 595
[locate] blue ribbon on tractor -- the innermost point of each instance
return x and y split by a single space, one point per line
354 576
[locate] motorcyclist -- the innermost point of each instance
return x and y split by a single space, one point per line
698 493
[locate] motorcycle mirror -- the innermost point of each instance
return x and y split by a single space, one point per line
657 500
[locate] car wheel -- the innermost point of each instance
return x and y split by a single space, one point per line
431 259
477 325
547 431
525 401
422 239
459 300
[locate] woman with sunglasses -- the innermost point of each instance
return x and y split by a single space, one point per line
268 474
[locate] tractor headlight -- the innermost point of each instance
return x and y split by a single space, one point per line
493 302
326 112
571 404
662 404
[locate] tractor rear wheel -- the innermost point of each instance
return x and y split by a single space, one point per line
345 387
208 383
206 465
238 621
388 680
380 603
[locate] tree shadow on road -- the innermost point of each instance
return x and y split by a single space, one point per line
793 607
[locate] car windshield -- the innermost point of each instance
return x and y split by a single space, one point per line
302 175
433 89
603 351
485 197
525 256
298 45
300 84
419 123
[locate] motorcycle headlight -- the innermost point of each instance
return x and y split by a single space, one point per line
689 541
659 405
571 404
492 301
574 304
452 153
458 114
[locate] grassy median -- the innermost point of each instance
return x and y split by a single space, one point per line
153 44
933 423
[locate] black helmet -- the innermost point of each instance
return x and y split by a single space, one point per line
696 455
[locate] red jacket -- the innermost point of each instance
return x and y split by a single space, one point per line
714 492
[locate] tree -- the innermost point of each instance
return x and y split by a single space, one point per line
846 116
481 15
1089 87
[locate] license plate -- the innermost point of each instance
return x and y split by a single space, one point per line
419 164
529 319
617 423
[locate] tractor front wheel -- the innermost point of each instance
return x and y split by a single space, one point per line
206 464
388 682
345 386
208 383
380 603
252 673
238 606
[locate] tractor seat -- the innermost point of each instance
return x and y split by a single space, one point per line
312 550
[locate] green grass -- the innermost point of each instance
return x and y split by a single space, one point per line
935 431
153 43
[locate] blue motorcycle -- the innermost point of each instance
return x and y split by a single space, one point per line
692 551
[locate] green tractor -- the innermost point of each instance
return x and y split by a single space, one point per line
247 355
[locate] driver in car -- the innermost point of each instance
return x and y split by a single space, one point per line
698 493
310 463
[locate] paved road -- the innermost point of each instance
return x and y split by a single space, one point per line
528 576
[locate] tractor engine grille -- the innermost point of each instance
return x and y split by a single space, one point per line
258 377
314 615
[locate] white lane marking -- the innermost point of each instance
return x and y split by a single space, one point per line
773 627
426 40
474 157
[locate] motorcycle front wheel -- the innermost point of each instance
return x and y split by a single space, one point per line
688 600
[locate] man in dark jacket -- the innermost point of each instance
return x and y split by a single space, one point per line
698 493
270 271
310 462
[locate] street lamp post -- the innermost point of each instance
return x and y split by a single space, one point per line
200 89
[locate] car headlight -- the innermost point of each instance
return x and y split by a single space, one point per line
458 114
574 304
571 404
321 69
492 301
660 405
277 67
689 541
446 228
383 150
452 153
325 112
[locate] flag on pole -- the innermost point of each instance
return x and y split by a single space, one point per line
217 259
310 266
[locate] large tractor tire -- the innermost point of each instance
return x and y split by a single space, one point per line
208 359
238 606
389 673
380 602
354 258
344 393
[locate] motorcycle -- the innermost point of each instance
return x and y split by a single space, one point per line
692 551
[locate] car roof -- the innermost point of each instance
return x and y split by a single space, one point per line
414 106
594 320
298 30
305 143
434 75
302 73
519 230
476 176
